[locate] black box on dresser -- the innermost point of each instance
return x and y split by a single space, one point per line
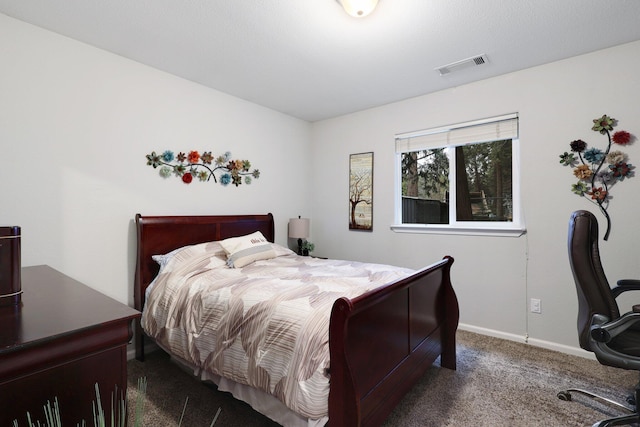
10 266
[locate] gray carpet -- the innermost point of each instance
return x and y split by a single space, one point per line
497 383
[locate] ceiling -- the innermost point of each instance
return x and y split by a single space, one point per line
309 59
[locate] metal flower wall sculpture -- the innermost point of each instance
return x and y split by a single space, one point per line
597 170
203 167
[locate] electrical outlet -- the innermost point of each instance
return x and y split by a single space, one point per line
535 306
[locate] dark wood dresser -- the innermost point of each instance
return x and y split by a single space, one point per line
61 340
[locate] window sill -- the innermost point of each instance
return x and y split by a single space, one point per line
464 231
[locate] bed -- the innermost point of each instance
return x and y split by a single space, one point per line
380 342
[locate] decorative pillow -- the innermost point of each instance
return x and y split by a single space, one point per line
244 250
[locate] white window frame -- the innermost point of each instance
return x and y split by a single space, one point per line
449 137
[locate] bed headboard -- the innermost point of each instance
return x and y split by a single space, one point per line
157 235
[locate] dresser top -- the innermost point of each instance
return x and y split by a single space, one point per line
55 305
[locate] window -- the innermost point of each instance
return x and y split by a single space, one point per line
462 178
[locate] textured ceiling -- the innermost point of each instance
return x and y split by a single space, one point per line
309 59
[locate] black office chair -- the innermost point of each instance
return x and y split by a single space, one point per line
614 339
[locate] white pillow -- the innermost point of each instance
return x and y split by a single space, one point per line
163 260
244 250
185 252
182 257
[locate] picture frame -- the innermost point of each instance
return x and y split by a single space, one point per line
361 191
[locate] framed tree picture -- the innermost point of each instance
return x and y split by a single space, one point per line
361 191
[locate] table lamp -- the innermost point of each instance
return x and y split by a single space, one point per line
299 229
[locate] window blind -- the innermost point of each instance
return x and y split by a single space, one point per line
492 129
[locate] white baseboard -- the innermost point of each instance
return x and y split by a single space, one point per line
575 351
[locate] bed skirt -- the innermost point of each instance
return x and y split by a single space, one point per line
264 403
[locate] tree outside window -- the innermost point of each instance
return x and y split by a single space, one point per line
483 183
461 178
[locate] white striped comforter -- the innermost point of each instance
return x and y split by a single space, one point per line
265 325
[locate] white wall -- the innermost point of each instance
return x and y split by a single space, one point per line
495 276
75 125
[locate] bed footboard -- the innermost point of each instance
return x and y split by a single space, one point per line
382 342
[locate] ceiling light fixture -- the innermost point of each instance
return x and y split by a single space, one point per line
358 8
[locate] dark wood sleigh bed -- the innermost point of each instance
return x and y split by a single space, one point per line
380 343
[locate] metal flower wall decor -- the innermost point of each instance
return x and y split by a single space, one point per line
597 170
203 167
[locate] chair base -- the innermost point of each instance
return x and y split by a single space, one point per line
628 419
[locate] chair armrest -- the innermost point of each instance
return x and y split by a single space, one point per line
625 285
603 331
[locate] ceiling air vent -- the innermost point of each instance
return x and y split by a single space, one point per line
465 63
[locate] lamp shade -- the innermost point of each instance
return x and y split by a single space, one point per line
358 8
299 228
